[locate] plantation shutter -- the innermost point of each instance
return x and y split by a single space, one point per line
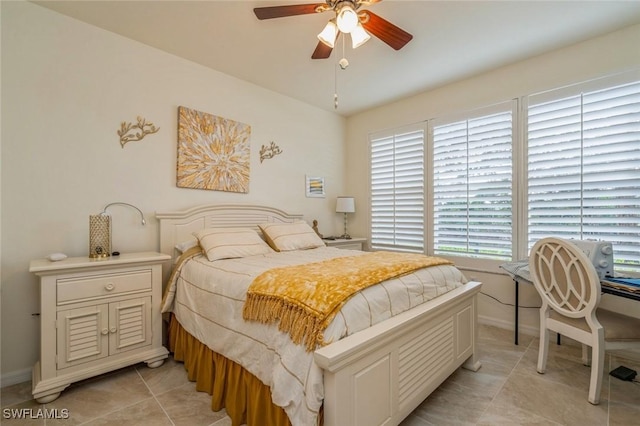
397 190
584 168
472 185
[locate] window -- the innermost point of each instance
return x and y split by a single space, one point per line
489 183
397 190
472 184
584 168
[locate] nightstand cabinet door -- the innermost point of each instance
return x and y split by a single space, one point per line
129 325
83 335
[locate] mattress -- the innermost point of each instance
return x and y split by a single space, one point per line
207 299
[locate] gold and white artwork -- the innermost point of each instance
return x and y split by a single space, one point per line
213 152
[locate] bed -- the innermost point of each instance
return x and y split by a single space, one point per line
374 376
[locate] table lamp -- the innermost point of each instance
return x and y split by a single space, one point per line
100 231
345 205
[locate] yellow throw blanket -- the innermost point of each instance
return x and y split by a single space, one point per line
305 298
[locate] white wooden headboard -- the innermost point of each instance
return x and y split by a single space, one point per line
178 226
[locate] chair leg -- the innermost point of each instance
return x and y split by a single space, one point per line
543 349
597 367
586 355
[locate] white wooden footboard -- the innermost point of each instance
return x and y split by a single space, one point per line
378 376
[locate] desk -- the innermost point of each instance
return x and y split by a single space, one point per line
519 271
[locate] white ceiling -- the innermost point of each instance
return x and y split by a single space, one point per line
452 40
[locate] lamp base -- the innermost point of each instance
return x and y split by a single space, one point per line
345 237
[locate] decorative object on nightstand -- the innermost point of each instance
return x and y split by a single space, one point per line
96 317
100 231
315 228
345 205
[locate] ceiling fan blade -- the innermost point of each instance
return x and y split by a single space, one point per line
322 51
288 10
394 36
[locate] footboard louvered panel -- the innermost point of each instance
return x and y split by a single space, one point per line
420 359
380 375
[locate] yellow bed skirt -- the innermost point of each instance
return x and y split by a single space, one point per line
246 399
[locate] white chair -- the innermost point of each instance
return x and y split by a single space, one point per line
569 287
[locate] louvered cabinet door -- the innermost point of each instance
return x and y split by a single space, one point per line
83 335
129 325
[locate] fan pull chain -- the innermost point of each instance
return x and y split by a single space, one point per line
343 64
335 87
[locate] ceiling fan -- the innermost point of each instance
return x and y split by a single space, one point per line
348 19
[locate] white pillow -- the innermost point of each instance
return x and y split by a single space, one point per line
291 236
229 243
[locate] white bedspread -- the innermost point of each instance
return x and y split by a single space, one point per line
207 299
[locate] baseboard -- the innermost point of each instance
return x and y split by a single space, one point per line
15 377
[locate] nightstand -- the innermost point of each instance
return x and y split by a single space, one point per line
97 315
354 243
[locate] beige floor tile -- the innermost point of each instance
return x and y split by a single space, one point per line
452 404
168 376
144 413
15 394
187 407
413 420
26 413
564 366
93 398
503 414
624 414
554 401
489 379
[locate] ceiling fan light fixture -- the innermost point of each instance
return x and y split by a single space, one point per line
359 36
347 18
328 34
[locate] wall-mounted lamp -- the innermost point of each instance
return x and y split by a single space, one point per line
345 205
100 231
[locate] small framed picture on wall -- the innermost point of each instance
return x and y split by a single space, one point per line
314 186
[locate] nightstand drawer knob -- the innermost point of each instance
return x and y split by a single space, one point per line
109 287
113 329
105 331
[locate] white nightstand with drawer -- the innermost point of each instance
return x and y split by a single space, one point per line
97 315
354 243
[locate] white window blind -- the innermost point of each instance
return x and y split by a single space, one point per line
472 186
584 169
397 190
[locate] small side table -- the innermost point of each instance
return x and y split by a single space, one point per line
355 243
97 315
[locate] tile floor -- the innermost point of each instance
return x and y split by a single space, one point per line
505 391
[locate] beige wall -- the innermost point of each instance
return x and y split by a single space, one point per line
66 87
609 54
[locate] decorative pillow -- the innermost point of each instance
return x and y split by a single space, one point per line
229 243
291 236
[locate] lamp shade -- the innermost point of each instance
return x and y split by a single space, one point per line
359 36
329 34
345 205
347 18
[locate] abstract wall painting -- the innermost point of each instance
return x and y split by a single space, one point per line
213 152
